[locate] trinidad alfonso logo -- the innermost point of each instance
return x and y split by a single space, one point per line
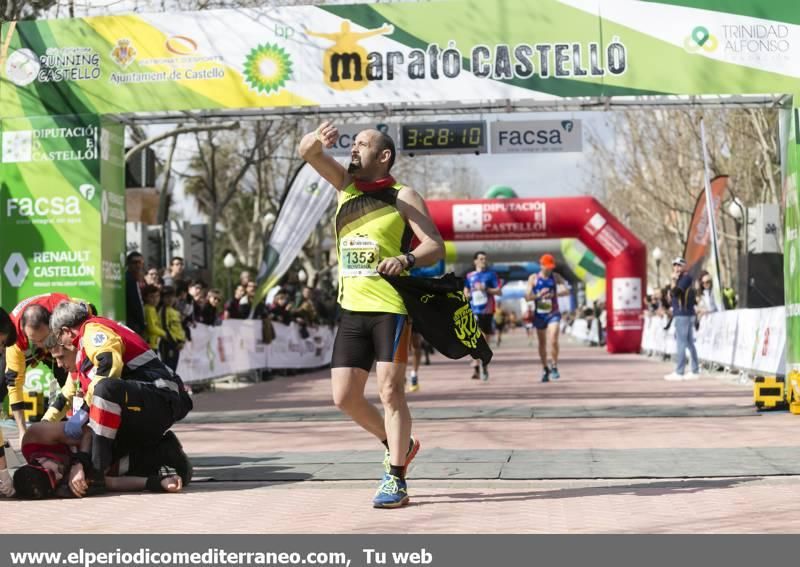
267 68
700 38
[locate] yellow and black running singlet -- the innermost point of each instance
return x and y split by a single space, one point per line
369 228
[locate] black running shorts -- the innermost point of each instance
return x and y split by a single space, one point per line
364 337
486 323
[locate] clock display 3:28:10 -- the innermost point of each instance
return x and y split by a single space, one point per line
444 136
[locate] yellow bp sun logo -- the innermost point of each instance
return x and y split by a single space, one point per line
267 68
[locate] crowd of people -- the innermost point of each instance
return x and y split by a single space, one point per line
164 304
685 303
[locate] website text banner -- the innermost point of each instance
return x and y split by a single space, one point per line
389 550
397 53
51 198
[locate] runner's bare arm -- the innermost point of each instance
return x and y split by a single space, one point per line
562 284
311 150
495 290
531 284
431 246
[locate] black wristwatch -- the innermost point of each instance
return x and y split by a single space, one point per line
410 260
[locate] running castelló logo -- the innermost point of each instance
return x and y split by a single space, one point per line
344 62
267 68
700 38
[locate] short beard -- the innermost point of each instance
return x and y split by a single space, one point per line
353 167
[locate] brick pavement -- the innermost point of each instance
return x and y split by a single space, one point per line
741 448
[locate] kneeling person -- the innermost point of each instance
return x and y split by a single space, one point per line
133 398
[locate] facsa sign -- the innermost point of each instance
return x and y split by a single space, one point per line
537 136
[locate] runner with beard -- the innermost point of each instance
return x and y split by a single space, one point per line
376 220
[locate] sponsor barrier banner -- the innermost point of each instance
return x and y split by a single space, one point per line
236 347
396 53
62 210
752 340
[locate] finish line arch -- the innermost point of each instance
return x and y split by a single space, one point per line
625 256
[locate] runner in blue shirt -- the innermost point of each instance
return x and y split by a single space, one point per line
545 288
480 287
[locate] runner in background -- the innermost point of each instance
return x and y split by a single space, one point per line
481 285
544 288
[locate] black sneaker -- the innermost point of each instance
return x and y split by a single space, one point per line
546 375
172 455
476 373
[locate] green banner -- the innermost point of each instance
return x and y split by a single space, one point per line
63 209
397 54
791 257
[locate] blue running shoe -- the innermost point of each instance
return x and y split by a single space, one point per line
392 493
546 375
554 373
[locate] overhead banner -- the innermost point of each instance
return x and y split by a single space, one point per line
404 53
62 210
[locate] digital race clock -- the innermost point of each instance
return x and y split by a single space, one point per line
443 137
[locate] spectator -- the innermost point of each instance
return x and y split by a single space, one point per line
706 303
172 344
203 312
683 314
185 307
232 310
154 332
245 277
215 302
279 310
306 311
134 279
247 305
153 277
176 272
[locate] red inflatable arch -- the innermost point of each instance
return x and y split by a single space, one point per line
625 256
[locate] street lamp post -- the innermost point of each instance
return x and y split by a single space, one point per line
229 261
736 210
657 255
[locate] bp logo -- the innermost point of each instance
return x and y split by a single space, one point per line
16 269
700 38
267 68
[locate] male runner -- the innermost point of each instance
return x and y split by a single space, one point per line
134 411
481 285
545 288
376 219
